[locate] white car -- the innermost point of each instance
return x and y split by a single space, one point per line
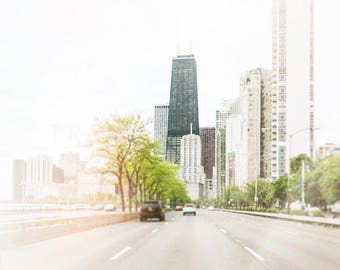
110 207
189 208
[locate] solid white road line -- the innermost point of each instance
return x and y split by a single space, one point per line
155 230
257 256
223 231
120 253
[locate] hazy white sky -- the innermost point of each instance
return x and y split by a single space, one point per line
63 63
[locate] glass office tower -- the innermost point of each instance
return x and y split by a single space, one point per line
183 105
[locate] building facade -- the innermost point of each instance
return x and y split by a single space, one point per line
292 82
39 171
18 179
255 95
70 163
327 150
161 126
191 171
58 175
236 164
183 105
224 159
207 135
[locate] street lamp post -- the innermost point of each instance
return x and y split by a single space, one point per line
289 158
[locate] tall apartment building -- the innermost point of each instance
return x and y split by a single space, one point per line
255 97
18 179
207 135
183 105
292 82
191 170
161 126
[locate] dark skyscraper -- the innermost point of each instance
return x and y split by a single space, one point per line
207 135
183 105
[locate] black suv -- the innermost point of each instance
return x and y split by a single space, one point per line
151 209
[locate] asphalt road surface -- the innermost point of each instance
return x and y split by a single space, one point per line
210 240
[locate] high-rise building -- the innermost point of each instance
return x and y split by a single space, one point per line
39 171
255 96
183 105
235 164
207 135
222 115
70 163
292 82
18 179
191 171
161 126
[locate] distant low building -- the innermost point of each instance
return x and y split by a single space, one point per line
70 163
18 179
328 150
58 175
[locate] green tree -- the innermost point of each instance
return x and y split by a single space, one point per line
143 155
265 193
280 185
324 182
116 138
235 196
296 163
280 189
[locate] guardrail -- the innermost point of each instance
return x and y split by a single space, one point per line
335 223
30 231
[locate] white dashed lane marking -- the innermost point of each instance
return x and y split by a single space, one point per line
120 253
257 256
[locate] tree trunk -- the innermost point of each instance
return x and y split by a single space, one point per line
121 190
130 196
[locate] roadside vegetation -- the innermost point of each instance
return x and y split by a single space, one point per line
125 151
322 189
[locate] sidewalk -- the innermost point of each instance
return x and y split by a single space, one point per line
330 222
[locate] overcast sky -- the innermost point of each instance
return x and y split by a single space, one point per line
63 63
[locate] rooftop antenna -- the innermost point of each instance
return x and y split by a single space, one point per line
178 32
191 43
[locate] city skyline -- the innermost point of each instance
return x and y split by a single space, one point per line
50 106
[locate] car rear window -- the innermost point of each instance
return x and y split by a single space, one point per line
189 205
150 204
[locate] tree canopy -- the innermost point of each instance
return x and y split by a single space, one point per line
125 150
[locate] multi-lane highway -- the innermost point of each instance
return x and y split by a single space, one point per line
211 240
